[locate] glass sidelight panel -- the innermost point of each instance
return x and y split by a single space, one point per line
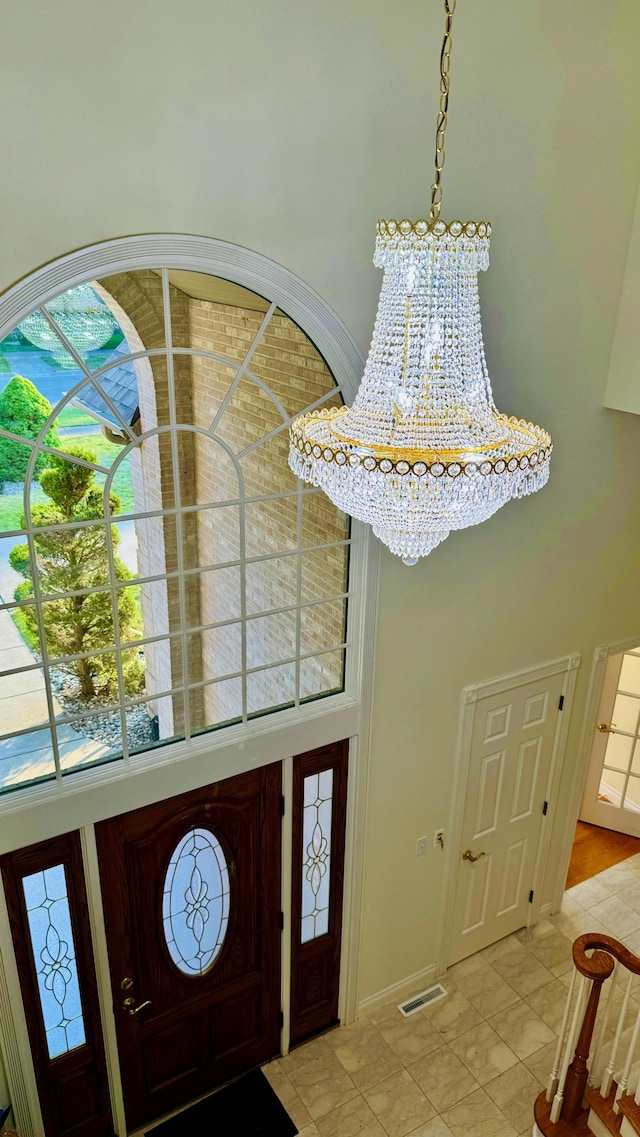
316 844
54 954
318 836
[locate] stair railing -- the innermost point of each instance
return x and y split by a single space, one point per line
596 958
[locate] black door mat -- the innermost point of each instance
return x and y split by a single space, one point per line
247 1107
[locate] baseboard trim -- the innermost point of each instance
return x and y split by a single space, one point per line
398 991
545 911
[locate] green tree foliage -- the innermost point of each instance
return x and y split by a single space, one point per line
23 411
76 558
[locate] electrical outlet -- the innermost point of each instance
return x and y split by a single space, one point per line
421 846
438 839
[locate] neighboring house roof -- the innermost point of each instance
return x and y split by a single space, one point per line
121 387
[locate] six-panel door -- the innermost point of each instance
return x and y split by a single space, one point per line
191 893
512 745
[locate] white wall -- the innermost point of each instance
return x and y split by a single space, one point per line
290 127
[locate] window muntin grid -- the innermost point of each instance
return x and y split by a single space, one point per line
256 490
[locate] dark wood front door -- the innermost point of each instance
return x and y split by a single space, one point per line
191 892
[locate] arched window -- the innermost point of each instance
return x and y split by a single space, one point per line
162 572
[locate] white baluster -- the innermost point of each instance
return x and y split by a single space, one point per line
604 1022
552 1084
622 1084
608 1074
572 1037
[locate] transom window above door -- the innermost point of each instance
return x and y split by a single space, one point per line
162 572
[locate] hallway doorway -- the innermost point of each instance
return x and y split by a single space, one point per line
608 828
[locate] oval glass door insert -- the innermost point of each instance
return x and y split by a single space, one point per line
195 902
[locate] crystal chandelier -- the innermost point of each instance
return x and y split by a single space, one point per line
80 314
423 450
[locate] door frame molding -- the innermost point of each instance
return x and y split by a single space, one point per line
581 768
469 696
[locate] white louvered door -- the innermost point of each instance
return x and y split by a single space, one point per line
511 750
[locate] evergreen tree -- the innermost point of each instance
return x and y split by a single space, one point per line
76 558
23 411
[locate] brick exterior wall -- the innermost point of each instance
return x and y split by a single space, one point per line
291 367
293 370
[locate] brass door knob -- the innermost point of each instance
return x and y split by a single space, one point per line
468 856
605 729
129 1004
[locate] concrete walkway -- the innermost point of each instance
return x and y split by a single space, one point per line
23 703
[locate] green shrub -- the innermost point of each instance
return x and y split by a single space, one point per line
23 411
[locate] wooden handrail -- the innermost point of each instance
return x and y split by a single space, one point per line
594 968
598 968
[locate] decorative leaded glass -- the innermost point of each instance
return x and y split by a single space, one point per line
316 852
54 954
195 902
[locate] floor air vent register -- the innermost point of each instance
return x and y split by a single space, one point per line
422 1000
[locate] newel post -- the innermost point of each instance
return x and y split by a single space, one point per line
598 968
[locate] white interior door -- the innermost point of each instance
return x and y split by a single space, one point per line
512 745
612 792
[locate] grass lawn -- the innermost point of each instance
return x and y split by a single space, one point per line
28 636
73 416
106 453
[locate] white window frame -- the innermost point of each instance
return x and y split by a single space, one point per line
237 747
38 812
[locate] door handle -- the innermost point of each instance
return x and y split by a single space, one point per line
129 1004
605 729
468 855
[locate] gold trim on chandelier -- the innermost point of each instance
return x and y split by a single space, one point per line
437 463
434 228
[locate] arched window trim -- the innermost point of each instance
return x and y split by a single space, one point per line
284 731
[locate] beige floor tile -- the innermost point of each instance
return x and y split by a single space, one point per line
487 991
541 1063
367 1058
309 1131
478 1116
629 893
435 1128
443 1078
410 1038
399 1104
298 1113
515 1093
554 951
522 1029
619 917
549 1002
464 967
589 892
306 1053
502 947
537 931
355 1119
279 1081
452 1016
522 971
343 1035
484 1053
385 1012
322 1084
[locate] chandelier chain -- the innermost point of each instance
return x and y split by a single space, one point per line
443 108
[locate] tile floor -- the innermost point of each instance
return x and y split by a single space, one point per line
472 1064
